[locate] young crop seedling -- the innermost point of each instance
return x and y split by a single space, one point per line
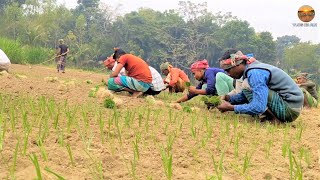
211 102
93 91
109 103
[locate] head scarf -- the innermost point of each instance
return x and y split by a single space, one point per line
165 66
303 75
108 61
236 59
200 64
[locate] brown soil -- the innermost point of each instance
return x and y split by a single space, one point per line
191 154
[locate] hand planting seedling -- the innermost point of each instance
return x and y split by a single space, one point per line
212 101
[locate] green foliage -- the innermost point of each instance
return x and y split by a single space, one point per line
187 109
188 84
12 49
24 54
212 101
109 103
93 91
36 55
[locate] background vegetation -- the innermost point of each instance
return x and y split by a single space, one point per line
179 36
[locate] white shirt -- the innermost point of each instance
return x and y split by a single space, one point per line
157 81
122 71
4 58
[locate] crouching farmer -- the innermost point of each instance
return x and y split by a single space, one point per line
138 79
266 89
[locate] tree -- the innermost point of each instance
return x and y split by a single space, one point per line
265 48
282 43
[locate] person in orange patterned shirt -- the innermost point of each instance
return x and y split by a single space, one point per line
175 78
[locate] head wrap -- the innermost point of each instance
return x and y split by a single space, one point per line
165 66
200 64
236 59
303 75
108 61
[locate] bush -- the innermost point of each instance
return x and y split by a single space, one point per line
19 54
12 50
109 103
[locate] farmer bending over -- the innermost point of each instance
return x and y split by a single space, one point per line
309 90
175 78
266 89
213 81
138 79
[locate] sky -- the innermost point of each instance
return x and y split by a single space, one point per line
275 16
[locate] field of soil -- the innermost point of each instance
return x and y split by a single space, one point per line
50 116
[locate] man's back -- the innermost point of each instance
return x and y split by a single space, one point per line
63 49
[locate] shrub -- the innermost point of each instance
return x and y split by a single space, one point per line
109 103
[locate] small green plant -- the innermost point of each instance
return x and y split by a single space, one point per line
57 175
89 81
212 101
35 162
93 91
167 162
109 103
70 154
188 84
187 109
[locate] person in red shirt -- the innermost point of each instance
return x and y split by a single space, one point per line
175 78
138 79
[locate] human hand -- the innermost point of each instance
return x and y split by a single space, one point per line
225 106
192 89
225 98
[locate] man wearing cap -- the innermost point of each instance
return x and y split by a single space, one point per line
62 51
213 81
266 89
4 61
309 90
175 77
138 79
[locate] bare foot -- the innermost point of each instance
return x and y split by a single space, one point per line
137 94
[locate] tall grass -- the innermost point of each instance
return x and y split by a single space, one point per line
19 54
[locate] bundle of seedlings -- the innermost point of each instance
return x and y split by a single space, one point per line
211 101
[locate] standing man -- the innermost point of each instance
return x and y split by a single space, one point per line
62 51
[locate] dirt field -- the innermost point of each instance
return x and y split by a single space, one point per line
137 139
